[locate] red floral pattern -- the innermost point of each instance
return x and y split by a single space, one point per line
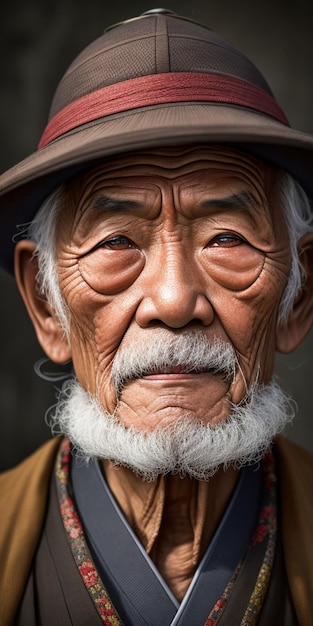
78 544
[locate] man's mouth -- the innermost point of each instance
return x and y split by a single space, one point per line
171 376
187 356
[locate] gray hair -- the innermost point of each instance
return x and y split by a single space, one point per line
42 231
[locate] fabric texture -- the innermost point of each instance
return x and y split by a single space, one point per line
55 593
64 586
260 554
23 502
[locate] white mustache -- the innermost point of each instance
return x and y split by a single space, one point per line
190 351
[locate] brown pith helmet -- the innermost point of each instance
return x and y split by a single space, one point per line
155 80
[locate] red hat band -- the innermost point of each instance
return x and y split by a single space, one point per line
158 89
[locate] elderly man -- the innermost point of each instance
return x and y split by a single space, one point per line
166 250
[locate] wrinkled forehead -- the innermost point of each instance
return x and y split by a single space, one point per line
211 167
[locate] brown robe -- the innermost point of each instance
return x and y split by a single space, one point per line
23 498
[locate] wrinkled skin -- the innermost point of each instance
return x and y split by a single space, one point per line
172 240
192 238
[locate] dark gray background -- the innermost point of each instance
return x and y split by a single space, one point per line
38 39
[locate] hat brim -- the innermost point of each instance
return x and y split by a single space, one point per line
24 187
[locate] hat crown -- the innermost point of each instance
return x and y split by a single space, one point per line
155 43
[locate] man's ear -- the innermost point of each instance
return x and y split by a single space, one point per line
47 326
300 319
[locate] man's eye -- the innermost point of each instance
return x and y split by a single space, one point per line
226 240
119 242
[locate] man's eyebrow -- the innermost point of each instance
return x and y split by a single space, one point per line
243 200
108 203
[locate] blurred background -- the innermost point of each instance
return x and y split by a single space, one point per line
38 40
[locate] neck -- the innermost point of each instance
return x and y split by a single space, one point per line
174 518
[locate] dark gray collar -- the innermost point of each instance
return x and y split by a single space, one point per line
137 590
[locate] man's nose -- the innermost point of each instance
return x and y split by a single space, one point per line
174 291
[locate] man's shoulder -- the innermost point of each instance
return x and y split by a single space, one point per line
23 498
295 474
294 461
24 488
33 463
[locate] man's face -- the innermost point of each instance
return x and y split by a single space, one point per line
163 243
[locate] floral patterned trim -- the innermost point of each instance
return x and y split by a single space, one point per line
77 541
220 605
265 533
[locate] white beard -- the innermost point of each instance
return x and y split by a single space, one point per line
185 447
